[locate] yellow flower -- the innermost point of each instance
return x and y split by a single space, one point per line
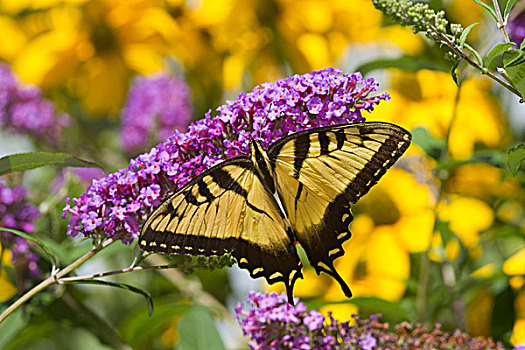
518 331
7 290
467 217
426 98
515 265
92 48
479 313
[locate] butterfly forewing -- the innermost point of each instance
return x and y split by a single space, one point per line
225 209
319 172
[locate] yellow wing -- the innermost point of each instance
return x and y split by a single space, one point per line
226 209
319 172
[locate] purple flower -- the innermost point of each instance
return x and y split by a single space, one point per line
307 330
368 342
520 346
264 114
156 106
516 28
23 111
16 213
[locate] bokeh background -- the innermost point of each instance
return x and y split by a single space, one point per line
439 239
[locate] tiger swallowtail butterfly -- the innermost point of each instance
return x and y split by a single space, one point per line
298 191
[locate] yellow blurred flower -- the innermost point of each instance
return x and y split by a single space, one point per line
7 289
518 331
89 47
92 48
479 313
467 217
426 98
515 265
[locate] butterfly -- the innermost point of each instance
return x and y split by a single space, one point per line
298 191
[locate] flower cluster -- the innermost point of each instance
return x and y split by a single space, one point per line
17 214
22 110
117 203
420 16
517 28
156 106
272 323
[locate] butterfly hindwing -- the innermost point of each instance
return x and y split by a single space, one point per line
319 172
226 210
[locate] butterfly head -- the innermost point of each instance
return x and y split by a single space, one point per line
257 153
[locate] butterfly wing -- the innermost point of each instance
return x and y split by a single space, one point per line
319 172
226 209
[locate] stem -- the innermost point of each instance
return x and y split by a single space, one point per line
445 40
53 279
424 275
502 25
114 272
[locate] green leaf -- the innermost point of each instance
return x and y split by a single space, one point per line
489 9
197 331
146 295
49 252
408 63
522 45
508 7
429 144
515 57
32 160
516 72
475 53
465 33
139 329
495 52
11 326
515 157
454 72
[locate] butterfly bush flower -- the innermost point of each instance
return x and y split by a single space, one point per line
156 106
23 111
271 323
17 214
516 28
117 203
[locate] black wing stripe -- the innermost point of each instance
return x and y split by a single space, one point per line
226 182
324 142
301 147
205 191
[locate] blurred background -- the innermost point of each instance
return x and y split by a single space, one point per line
439 239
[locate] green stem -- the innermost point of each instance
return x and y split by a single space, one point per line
53 279
114 272
424 273
446 40
501 22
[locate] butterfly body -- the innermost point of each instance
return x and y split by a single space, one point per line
257 207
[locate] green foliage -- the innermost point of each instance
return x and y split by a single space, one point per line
197 331
32 160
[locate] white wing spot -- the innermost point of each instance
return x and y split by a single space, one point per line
163 245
